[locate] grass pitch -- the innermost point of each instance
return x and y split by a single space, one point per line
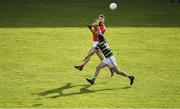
39 47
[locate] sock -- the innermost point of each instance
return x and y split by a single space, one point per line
82 66
94 78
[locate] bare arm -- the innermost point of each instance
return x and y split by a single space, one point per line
90 28
95 25
94 32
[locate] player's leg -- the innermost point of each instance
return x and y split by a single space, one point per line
119 72
112 63
98 68
101 57
92 50
122 73
86 60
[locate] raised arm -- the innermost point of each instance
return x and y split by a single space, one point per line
94 32
95 26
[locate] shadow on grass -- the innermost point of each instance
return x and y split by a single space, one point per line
83 90
36 105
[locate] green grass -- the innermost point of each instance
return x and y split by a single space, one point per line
39 47
36 60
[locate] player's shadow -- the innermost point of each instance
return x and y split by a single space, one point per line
83 90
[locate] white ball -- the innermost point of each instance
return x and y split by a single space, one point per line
113 6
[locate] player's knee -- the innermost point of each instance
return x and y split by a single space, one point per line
97 68
117 73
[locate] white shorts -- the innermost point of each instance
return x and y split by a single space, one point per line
95 43
111 61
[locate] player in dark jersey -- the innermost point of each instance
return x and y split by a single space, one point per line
109 60
97 27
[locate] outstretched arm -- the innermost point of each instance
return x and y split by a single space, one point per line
90 28
95 25
94 32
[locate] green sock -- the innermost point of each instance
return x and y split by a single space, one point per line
94 78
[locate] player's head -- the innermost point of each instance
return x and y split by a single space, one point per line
101 18
101 38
